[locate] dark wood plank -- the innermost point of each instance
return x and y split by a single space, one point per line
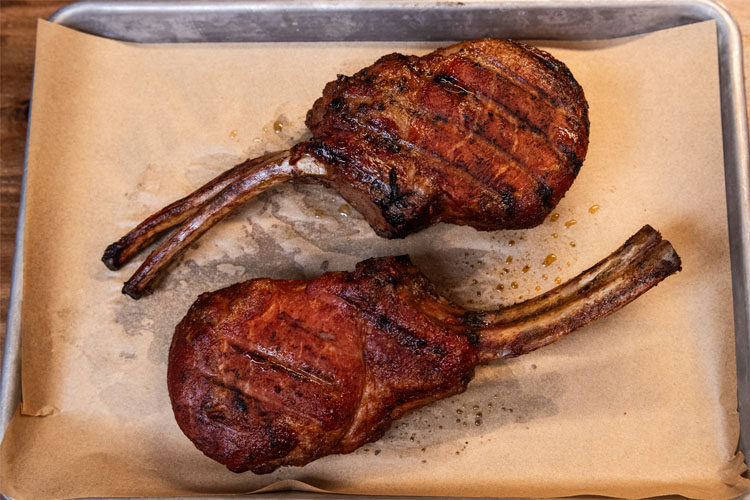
18 20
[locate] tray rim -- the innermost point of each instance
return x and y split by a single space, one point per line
735 139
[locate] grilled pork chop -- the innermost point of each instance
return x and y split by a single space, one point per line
268 373
487 133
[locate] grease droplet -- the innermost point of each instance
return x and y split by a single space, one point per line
558 280
525 269
509 259
319 213
544 276
233 134
514 285
500 287
345 210
549 259
573 243
593 209
278 126
512 242
571 222
537 288
554 217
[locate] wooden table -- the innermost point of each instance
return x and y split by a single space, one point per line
18 30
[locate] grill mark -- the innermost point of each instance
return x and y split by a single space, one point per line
560 72
514 79
414 109
465 93
568 158
331 156
216 381
519 81
409 150
439 159
490 108
356 112
325 150
521 123
563 150
279 365
402 334
450 80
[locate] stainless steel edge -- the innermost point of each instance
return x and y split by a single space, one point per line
737 179
737 153
10 376
297 20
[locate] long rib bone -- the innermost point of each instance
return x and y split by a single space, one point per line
639 264
200 210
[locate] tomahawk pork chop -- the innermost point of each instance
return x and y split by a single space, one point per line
268 373
486 133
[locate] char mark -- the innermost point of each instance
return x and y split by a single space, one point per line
273 363
239 401
451 83
511 77
473 338
506 193
545 194
364 121
328 154
507 79
402 334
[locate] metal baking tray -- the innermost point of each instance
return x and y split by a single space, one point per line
372 20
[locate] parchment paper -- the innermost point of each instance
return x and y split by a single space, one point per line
642 403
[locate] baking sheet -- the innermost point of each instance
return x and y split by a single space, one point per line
667 439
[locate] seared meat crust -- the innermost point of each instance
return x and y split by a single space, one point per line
295 369
487 133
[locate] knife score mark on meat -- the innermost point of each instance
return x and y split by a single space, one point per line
486 133
268 373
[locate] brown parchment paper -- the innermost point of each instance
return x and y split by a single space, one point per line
642 403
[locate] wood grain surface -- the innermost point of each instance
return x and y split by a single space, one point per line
17 36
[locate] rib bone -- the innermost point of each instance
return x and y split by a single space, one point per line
199 212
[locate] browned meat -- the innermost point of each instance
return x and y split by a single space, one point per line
269 373
486 133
